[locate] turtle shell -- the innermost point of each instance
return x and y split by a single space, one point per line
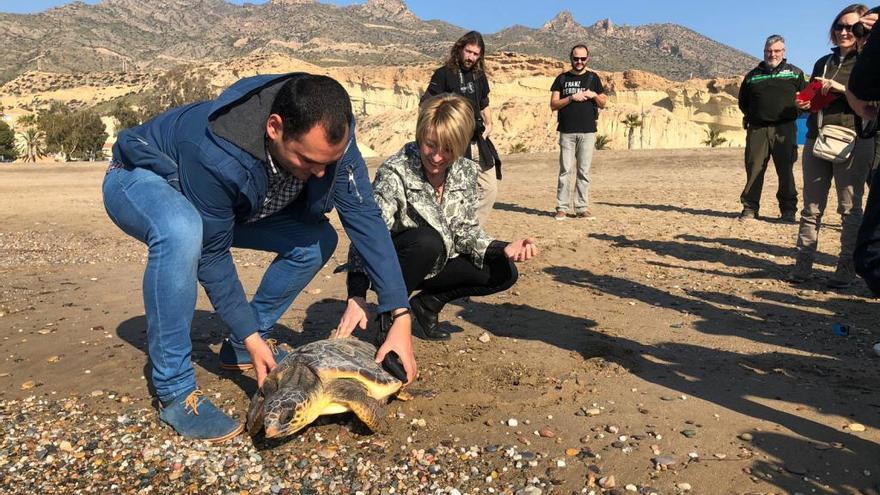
343 358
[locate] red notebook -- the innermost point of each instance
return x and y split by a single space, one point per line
813 94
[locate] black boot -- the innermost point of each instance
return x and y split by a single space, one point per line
426 309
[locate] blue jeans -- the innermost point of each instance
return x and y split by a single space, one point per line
145 207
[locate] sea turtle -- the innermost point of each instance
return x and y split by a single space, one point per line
323 377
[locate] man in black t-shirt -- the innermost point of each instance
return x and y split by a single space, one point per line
464 74
577 96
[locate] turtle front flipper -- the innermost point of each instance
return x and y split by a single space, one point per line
353 395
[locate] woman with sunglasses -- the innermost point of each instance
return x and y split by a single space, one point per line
833 72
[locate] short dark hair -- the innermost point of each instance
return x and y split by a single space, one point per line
306 101
469 38
575 47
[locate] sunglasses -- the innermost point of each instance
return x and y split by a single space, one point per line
579 59
843 27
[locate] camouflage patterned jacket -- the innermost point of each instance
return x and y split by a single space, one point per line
407 201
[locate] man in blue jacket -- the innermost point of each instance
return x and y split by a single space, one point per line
257 168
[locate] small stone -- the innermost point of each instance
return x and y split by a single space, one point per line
856 427
607 482
746 437
593 411
560 463
53 359
663 461
326 453
529 490
484 338
571 452
512 422
685 487
28 385
612 429
720 456
546 432
65 446
795 468
689 433
97 393
632 488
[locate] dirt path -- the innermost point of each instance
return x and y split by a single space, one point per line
664 321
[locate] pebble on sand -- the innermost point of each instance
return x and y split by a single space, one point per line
855 427
607 482
484 338
685 487
746 437
512 422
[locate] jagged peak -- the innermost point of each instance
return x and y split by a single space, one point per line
563 21
388 9
603 25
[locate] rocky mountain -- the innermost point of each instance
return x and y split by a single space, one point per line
386 98
138 35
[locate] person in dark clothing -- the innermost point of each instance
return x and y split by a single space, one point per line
767 101
849 175
427 196
863 95
257 168
465 74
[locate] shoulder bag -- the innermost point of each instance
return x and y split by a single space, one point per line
834 143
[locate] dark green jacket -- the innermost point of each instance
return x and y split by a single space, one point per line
766 96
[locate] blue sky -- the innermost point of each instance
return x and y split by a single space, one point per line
743 24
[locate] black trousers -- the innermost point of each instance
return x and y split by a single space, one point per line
762 143
419 249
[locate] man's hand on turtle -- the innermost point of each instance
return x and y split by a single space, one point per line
355 315
399 340
261 356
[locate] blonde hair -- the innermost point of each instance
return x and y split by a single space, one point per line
450 118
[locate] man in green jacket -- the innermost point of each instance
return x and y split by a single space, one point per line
767 100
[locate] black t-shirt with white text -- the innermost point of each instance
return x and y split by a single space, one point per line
577 116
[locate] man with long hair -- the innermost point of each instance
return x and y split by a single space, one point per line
464 73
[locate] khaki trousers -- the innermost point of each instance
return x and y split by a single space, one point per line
849 182
488 187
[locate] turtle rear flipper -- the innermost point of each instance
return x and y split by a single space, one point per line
353 394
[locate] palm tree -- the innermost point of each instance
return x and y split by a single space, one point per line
631 122
602 142
31 148
714 138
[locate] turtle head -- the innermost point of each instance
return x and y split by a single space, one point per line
284 404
